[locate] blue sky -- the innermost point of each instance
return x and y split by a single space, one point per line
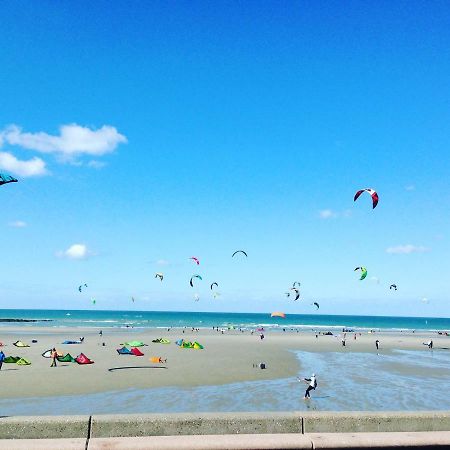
149 132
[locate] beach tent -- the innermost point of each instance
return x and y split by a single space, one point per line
66 358
23 362
136 352
11 359
198 346
179 342
134 344
124 351
83 359
20 344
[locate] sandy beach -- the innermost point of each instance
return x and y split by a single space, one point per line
226 358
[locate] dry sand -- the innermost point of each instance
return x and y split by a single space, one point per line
226 358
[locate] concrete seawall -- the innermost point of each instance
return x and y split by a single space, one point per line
141 425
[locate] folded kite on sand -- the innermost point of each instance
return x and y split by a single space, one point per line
83 359
20 344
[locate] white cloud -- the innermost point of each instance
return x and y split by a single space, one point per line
406 249
18 224
327 214
75 251
31 168
72 140
410 187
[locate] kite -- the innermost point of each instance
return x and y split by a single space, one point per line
196 260
159 275
393 286
296 282
363 272
93 301
278 314
132 299
196 297
425 300
192 278
297 293
373 194
81 286
4 179
216 294
316 305
212 284
240 251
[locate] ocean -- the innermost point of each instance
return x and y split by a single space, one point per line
165 319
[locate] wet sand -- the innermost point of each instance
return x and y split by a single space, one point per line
226 358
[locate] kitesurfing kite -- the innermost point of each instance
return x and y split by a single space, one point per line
5 178
278 314
363 272
393 286
159 275
192 278
216 294
239 251
196 297
132 299
82 286
316 305
425 300
196 260
297 293
214 284
93 301
373 194
296 283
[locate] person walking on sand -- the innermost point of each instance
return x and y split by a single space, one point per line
2 358
312 384
54 357
377 344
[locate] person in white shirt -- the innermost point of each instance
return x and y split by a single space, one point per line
312 384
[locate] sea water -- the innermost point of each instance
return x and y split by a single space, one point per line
164 319
399 381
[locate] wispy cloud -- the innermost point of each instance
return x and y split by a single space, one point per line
17 224
72 140
96 164
406 249
330 214
327 214
75 251
31 168
162 262
410 187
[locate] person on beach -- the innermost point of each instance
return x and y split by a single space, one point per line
312 384
430 345
100 333
377 344
54 357
2 358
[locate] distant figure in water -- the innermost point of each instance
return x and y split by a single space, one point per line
377 344
312 384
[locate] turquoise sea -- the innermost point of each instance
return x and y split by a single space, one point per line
164 319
